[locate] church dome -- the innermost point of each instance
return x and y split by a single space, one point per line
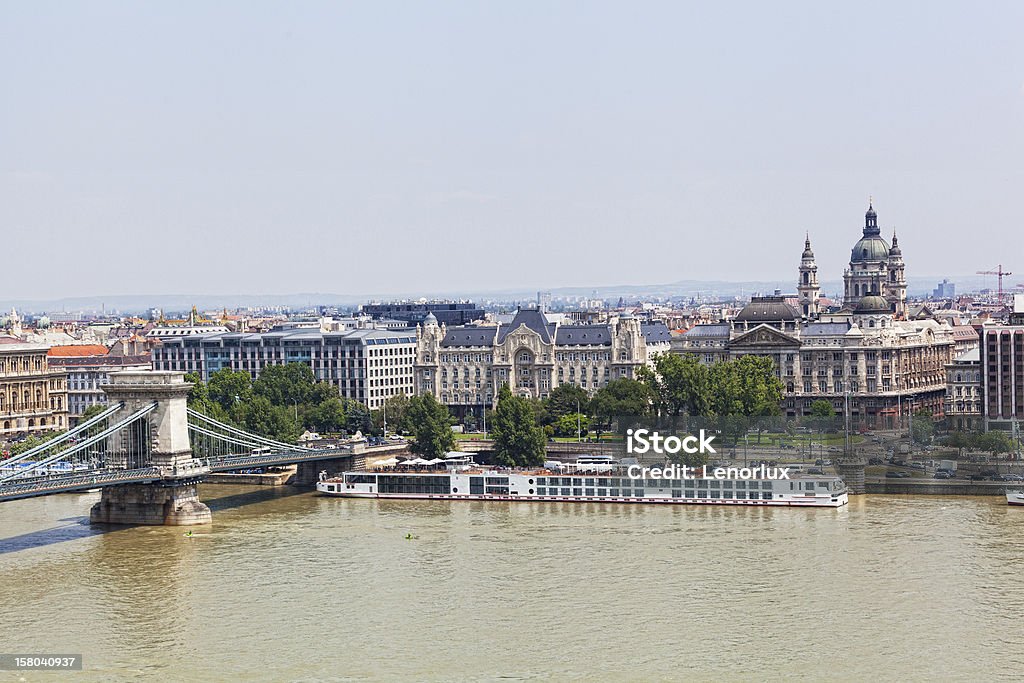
873 303
766 309
431 319
869 248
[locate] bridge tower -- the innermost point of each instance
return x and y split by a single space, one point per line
161 440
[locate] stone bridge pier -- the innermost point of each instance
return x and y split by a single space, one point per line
159 439
308 473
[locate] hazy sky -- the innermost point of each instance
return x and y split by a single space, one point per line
225 147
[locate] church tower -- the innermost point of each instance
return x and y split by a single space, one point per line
867 274
807 285
896 287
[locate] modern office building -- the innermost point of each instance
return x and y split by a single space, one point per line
446 312
1002 364
367 365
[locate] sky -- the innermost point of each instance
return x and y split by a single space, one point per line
384 147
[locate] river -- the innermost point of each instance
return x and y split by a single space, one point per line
288 586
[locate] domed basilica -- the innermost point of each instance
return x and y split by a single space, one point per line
874 282
869 349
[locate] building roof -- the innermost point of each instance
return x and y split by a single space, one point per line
964 333
469 336
100 361
78 350
533 319
579 335
870 248
656 332
972 356
766 309
829 329
709 330
873 303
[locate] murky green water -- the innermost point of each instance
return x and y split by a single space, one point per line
287 587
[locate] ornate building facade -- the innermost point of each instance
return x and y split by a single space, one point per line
888 366
33 395
464 367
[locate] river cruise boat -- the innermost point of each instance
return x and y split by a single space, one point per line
1015 497
546 485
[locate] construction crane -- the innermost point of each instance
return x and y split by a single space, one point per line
1000 272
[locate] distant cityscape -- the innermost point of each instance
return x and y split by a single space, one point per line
869 343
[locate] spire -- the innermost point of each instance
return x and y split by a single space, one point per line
871 221
895 249
808 254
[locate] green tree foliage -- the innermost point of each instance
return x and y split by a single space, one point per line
327 416
823 416
566 399
994 442
922 427
680 385
262 417
228 387
431 426
357 417
289 384
622 401
822 408
518 441
395 408
571 424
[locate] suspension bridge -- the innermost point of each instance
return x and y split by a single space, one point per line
147 451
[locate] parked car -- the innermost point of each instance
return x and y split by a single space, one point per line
874 461
977 477
891 474
942 475
815 470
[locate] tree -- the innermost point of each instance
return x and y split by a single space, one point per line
572 424
357 417
518 441
566 399
328 416
260 416
680 385
822 408
431 426
623 401
922 426
289 384
227 387
959 440
994 442
822 415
